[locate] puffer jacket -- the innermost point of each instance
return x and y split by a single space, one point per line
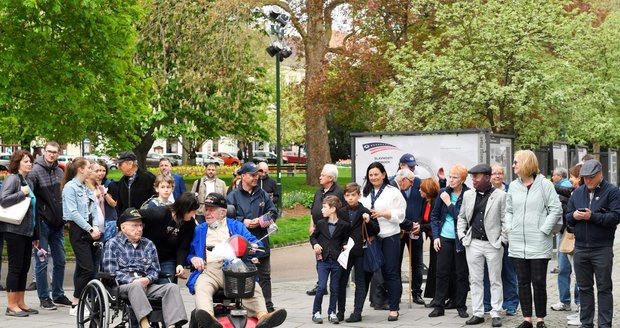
529 222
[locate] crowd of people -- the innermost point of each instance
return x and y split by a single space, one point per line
494 240
144 228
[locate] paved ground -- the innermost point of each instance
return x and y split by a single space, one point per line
293 273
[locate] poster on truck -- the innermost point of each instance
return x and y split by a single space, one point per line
433 150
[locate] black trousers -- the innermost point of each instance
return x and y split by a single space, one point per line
431 275
264 279
451 263
85 257
362 281
417 261
532 273
590 264
19 249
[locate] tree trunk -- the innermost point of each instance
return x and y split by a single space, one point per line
144 146
316 43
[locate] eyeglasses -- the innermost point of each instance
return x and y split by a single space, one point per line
497 173
52 152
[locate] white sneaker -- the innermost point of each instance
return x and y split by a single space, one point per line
73 311
316 317
560 307
333 318
573 316
574 322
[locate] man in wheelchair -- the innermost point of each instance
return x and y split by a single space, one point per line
134 261
218 228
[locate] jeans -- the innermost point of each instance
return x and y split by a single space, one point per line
564 264
509 284
327 269
595 263
169 267
391 270
51 239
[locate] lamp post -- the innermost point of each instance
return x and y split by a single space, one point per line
280 51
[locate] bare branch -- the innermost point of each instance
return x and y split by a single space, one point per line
284 6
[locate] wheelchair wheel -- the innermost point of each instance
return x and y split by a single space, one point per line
94 306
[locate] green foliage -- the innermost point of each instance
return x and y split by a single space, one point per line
66 71
304 198
494 64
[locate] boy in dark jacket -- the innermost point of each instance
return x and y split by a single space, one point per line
328 240
358 216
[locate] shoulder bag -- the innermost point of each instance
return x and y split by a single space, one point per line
373 256
15 214
567 244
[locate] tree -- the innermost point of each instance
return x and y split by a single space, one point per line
207 83
66 71
492 65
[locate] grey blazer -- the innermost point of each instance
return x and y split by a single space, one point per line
11 194
495 224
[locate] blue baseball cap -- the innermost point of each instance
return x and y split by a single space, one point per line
248 167
408 159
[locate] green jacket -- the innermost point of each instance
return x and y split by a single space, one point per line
529 222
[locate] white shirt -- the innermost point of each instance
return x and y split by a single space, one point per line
390 199
210 186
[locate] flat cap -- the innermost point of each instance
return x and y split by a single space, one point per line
126 156
483 168
590 168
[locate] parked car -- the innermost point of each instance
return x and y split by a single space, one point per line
152 159
267 156
4 161
108 161
228 158
204 159
294 157
175 159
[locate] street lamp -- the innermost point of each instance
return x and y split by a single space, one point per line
280 51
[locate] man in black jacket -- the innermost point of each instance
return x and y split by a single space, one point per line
594 213
136 185
45 179
266 183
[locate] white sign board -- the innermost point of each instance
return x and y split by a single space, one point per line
431 152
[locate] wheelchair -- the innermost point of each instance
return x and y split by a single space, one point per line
101 303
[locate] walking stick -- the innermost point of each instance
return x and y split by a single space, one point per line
410 280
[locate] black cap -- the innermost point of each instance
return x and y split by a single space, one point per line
590 168
483 168
126 156
130 214
216 200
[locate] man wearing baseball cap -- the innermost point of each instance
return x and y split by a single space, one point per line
208 277
134 261
256 211
593 213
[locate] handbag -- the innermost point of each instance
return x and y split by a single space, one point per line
373 256
15 214
567 244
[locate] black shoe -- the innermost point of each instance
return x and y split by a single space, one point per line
463 313
437 312
205 320
270 309
474 320
354 317
312 291
272 319
497 322
450 305
32 286
525 324
62 300
2 288
541 324
417 299
340 316
393 317
20 314
47 304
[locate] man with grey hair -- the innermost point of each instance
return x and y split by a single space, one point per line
329 186
560 177
409 186
136 185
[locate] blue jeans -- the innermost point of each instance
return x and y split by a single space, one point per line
51 239
509 285
564 277
327 269
167 266
391 270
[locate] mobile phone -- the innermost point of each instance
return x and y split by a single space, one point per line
582 209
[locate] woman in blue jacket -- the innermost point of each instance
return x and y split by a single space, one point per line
532 210
451 258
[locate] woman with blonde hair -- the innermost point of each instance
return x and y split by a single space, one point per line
532 211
